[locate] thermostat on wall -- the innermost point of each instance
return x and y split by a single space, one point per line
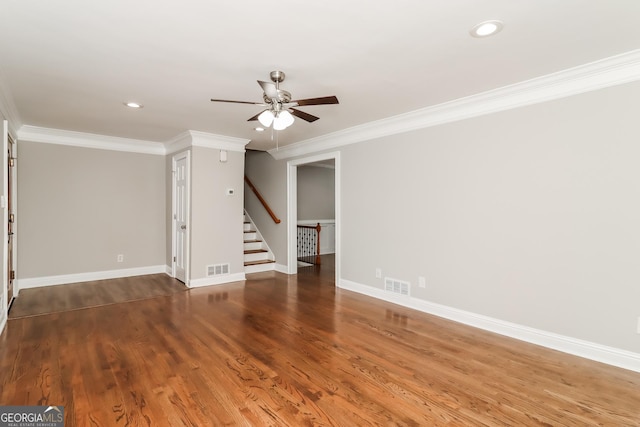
230 191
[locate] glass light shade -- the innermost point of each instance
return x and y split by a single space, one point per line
265 118
283 121
287 117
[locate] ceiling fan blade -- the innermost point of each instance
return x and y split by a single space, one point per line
304 116
317 101
269 89
238 102
256 116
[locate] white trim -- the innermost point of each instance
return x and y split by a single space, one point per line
183 141
168 271
281 268
5 227
600 353
612 71
217 280
192 138
16 223
292 208
37 282
88 140
179 143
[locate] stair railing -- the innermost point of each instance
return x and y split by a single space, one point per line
309 243
262 200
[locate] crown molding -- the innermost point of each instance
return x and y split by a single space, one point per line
192 138
612 71
185 140
88 140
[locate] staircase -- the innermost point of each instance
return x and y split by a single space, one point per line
257 255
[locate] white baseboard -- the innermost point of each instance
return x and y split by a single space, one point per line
600 353
37 282
216 280
280 268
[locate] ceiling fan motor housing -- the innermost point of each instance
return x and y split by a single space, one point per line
283 97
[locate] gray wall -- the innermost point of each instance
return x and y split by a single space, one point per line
316 193
81 207
216 219
529 215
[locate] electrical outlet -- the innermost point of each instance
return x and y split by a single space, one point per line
422 282
120 258
378 273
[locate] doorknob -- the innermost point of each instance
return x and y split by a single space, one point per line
183 227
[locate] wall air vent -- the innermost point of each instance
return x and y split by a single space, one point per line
396 286
217 269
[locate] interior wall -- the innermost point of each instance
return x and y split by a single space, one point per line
529 215
216 218
168 206
81 207
316 193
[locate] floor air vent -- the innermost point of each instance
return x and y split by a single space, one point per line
217 269
396 286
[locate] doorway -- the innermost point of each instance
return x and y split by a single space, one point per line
292 209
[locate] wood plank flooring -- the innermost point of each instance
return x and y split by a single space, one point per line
76 296
281 350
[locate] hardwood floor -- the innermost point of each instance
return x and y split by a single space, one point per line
295 351
76 296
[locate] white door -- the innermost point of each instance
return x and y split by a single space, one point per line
181 216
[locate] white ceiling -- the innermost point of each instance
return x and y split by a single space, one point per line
70 64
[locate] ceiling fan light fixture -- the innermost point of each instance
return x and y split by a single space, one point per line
286 118
266 118
283 120
279 124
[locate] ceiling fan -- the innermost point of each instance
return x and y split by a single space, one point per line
280 108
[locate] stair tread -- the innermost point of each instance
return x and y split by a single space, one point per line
262 261
253 241
255 251
249 231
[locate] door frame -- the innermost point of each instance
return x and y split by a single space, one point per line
11 176
187 241
292 209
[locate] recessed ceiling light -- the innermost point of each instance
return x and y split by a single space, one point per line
133 105
486 28
259 129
